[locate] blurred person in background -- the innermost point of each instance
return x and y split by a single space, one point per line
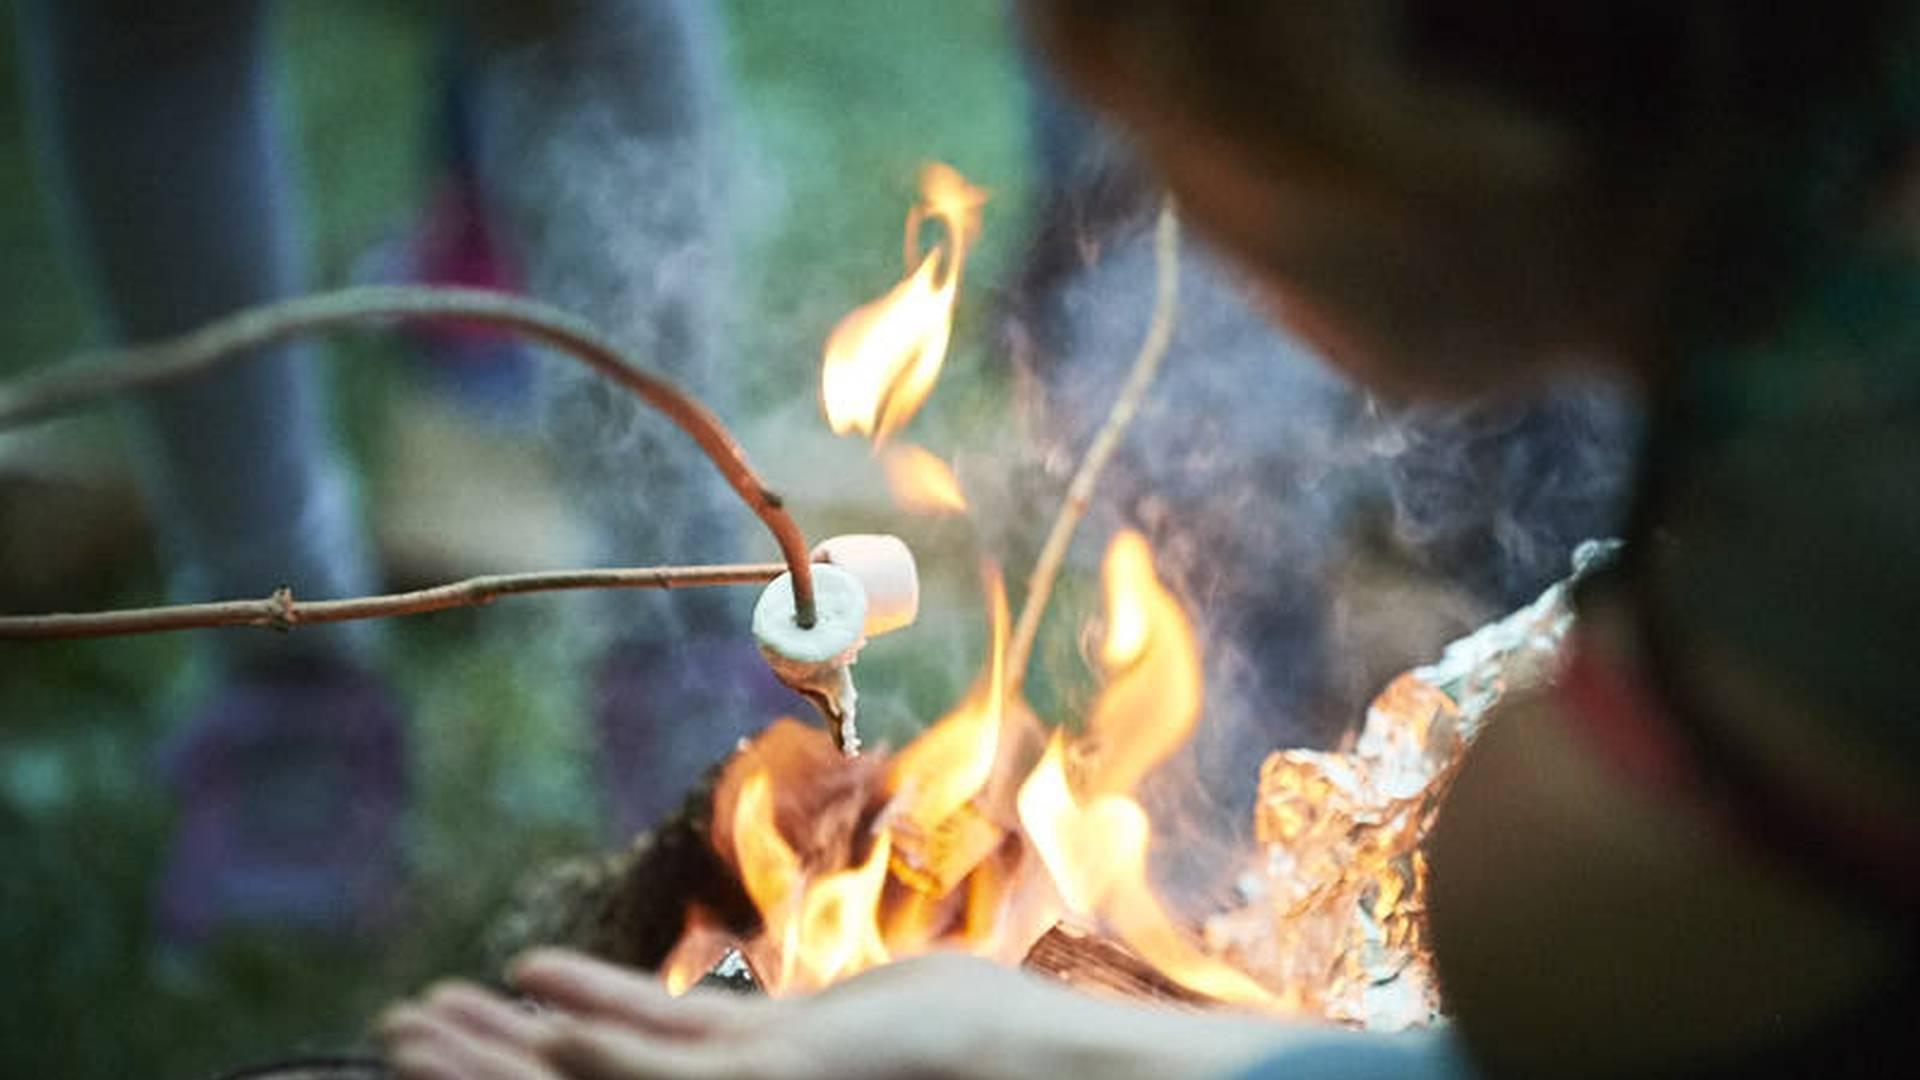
178 198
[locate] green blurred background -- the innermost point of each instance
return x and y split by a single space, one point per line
838 102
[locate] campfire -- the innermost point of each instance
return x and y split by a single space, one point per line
1000 834
996 831
986 835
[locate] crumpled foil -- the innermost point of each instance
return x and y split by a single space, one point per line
1334 906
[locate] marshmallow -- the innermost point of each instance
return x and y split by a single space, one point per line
885 569
814 660
840 618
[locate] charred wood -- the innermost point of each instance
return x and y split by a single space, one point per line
1086 961
631 907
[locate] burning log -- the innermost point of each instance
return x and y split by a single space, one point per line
1086 960
680 878
633 906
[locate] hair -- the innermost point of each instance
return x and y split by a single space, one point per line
1744 140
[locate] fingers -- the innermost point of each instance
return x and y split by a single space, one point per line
600 1050
593 989
623 1026
483 1013
422 1044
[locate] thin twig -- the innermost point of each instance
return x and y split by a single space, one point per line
1046 569
282 612
122 371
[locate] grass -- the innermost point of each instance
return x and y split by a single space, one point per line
840 109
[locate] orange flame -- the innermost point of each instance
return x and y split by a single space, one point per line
935 779
963 851
1096 852
952 760
884 357
702 945
769 868
941 836
839 935
920 482
1154 694
826 928
1095 847
940 847
931 837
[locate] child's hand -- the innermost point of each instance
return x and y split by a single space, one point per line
938 1016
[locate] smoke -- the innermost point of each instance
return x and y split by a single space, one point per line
606 163
1321 542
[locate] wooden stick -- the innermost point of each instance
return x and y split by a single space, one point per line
117 372
282 612
1153 349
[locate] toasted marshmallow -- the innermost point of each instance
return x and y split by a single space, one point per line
885 568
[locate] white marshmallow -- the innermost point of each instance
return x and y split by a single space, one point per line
885 568
840 617
814 660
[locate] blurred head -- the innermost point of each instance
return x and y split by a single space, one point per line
1448 196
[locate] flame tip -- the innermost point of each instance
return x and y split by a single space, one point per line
882 360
